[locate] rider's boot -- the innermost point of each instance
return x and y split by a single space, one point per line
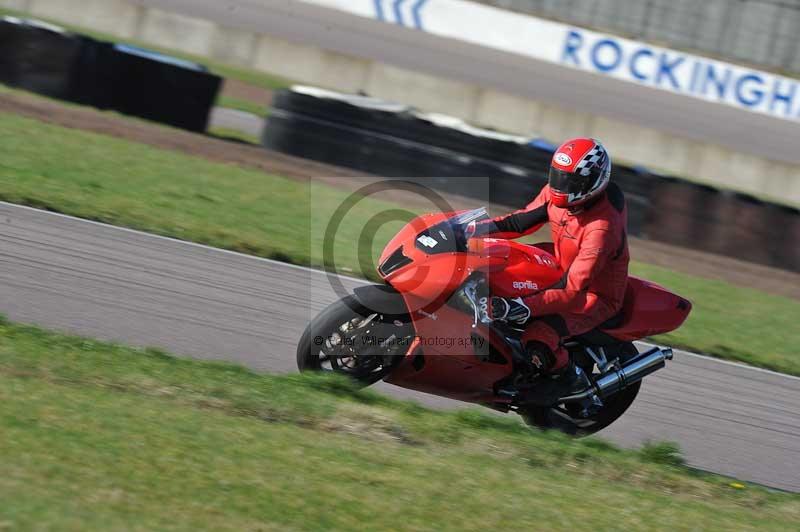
540 384
531 362
549 388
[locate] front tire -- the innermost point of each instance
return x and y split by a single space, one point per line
347 338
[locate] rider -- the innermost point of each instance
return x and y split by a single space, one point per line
587 218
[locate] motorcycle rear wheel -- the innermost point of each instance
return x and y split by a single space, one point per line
565 418
335 341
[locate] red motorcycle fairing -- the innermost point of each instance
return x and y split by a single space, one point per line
458 366
526 270
449 356
649 309
513 269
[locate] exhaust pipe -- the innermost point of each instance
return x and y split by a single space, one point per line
632 372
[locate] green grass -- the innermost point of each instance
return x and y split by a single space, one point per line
132 185
103 437
733 322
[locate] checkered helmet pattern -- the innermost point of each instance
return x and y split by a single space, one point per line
595 158
580 171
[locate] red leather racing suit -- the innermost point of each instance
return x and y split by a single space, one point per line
592 249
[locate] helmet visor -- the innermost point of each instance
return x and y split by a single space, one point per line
568 182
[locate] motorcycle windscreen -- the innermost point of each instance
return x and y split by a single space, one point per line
449 236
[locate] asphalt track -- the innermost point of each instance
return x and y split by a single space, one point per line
117 284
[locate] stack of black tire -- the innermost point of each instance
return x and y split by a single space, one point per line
724 222
384 140
44 59
391 140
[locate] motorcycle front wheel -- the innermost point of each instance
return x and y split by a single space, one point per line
349 339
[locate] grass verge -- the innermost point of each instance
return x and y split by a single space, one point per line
733 322
132 185
99 436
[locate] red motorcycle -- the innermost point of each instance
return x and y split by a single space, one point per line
428 327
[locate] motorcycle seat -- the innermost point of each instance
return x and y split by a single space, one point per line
598 336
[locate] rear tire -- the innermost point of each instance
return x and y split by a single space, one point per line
560 417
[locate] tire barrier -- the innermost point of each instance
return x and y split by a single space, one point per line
786 220
677 213
377 117
37 57
47 60
724 222
394 140
148 85
394 156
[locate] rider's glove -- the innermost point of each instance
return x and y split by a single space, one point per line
510 310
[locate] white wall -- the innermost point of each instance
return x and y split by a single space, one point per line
635 62
19 5
117 17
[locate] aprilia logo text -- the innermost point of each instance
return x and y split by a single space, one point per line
522 285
